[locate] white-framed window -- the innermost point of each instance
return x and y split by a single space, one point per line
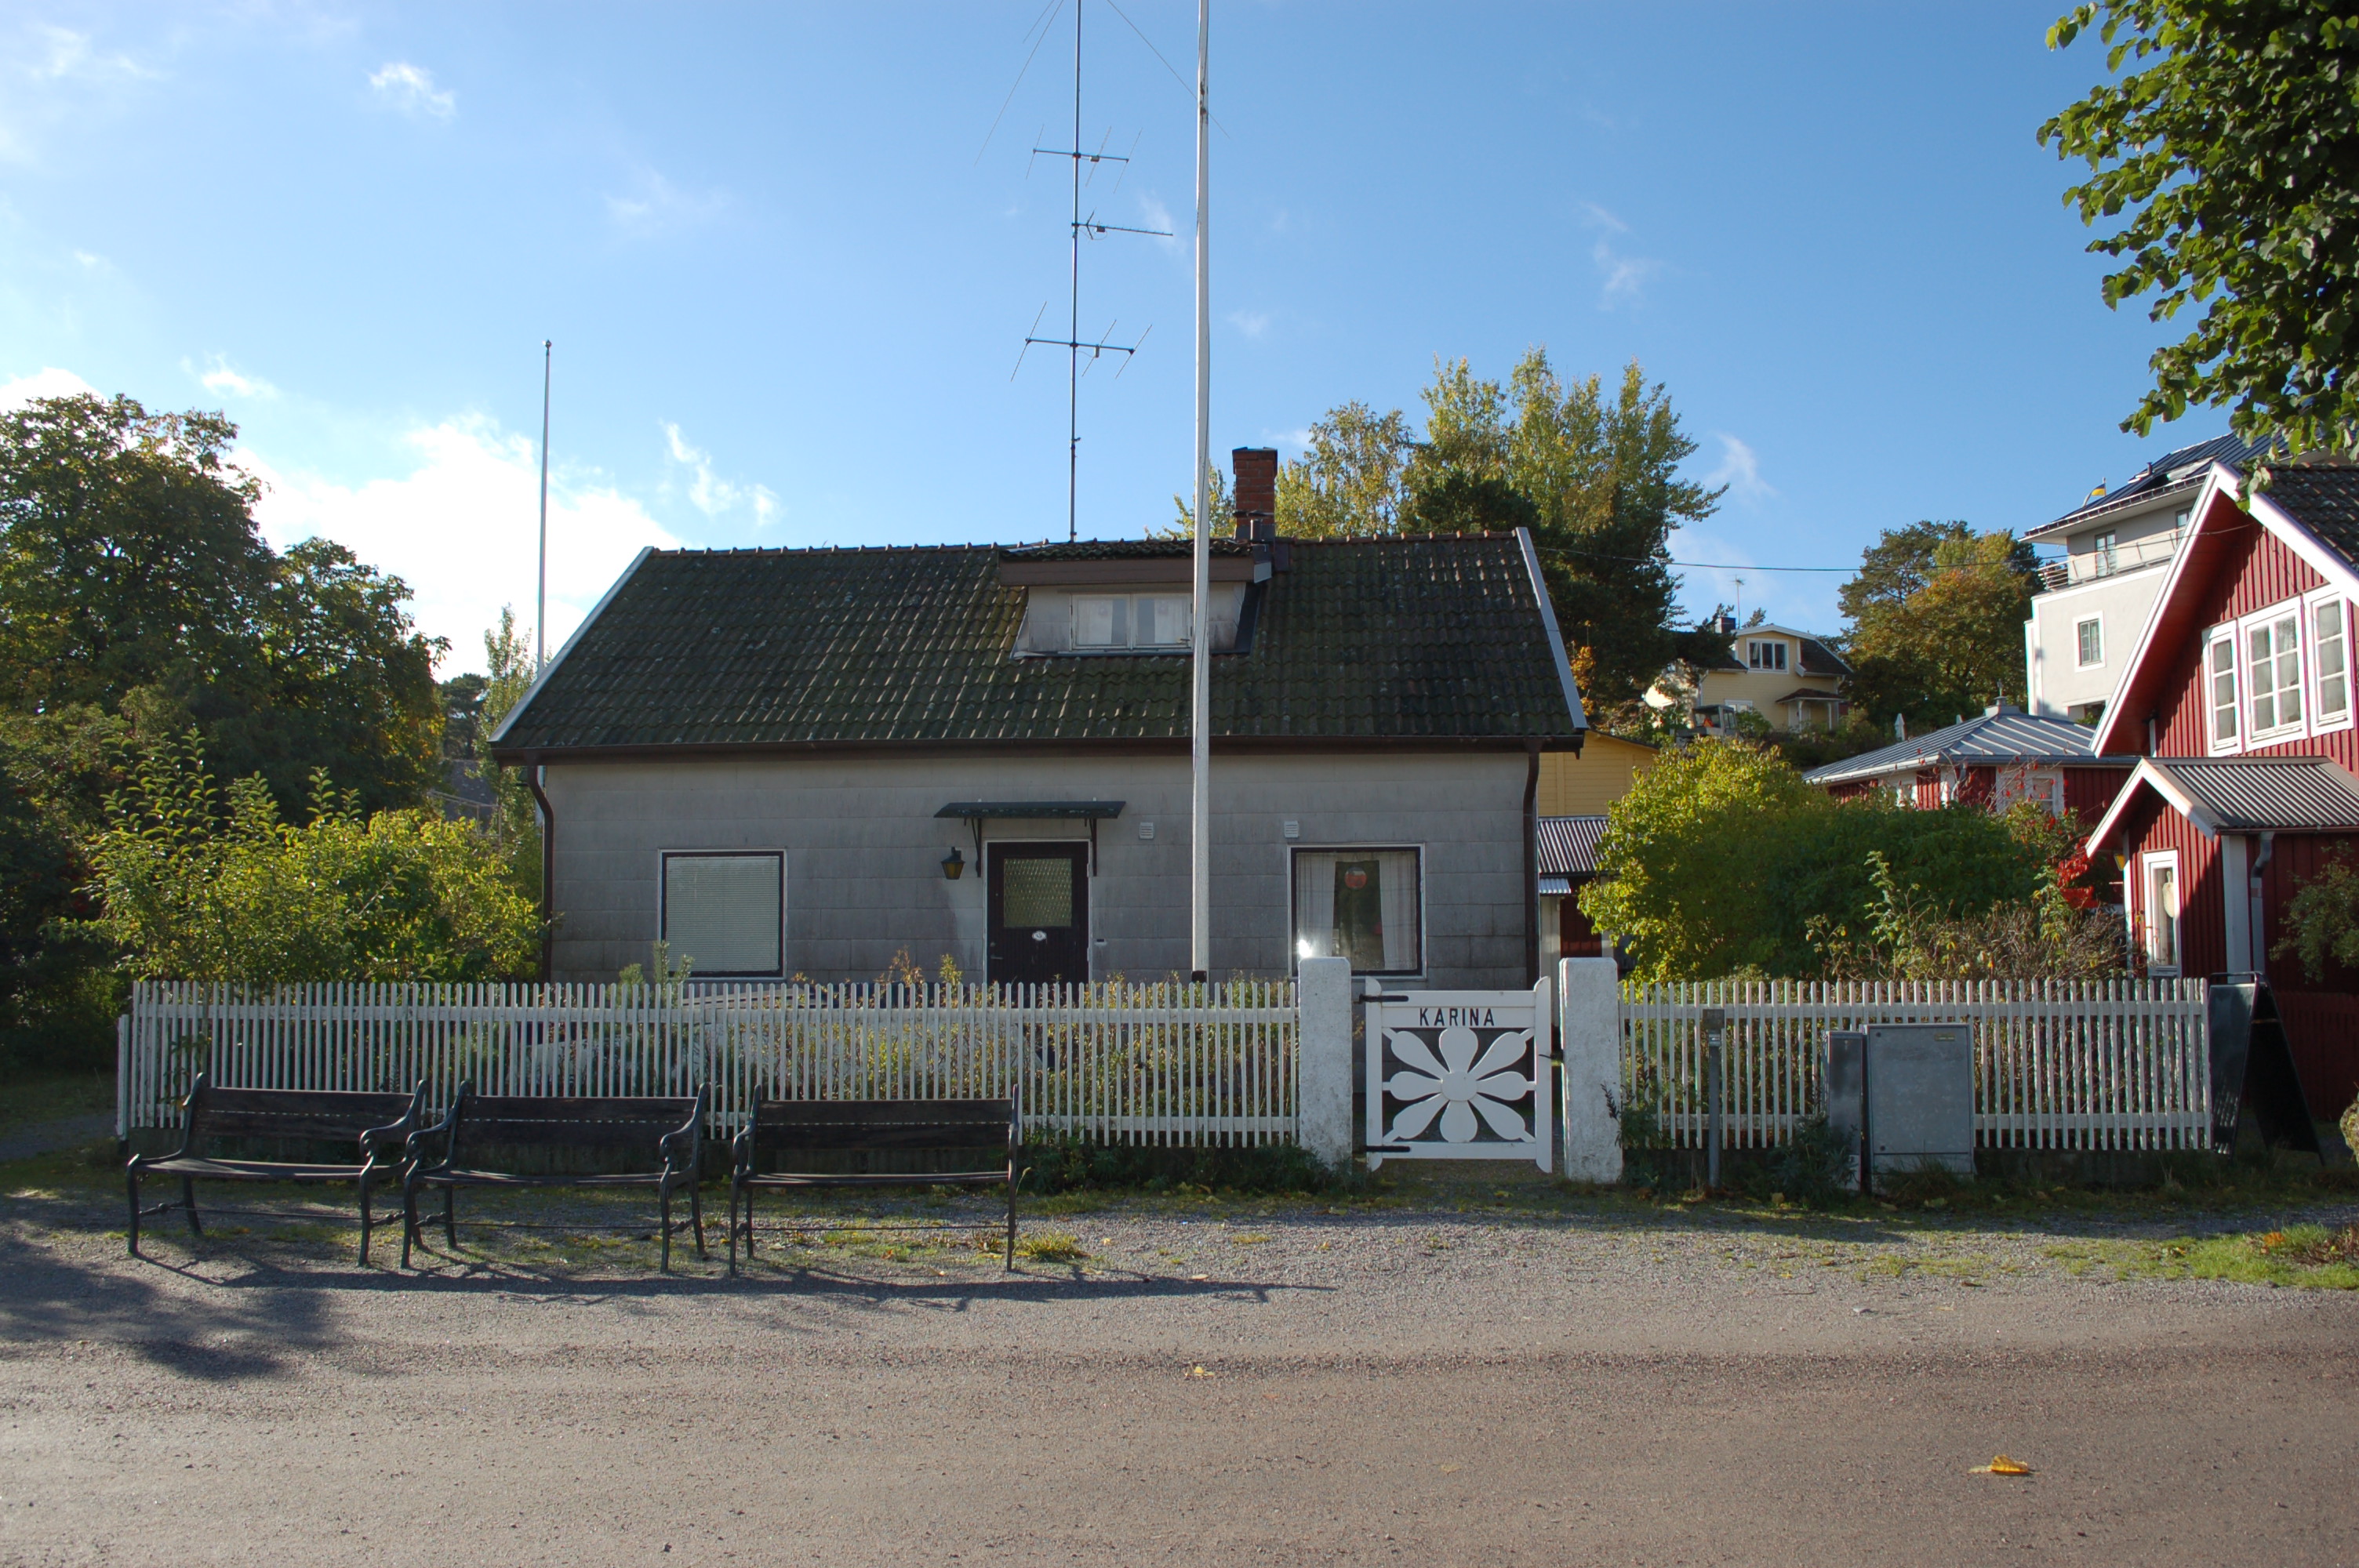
2105 553
2089 642
1132 621
724 912
2273 671
2044 785
1764 654
2158 894
2222 725
1365 904
2330 662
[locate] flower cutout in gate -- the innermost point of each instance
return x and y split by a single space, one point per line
1463 1091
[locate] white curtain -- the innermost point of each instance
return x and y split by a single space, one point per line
1396 898
1314 906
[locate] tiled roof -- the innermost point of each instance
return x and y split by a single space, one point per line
1394 639
1568 844
1122 550
2005 738
2166 472
2324 498
1816 658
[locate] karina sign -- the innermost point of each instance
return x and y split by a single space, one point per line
1460 1076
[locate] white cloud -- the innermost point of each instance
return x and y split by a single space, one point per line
1623 276
654 205
1154 214
1251 323
410 88
710 494
1739 468
59 54
49 382
223 381
462 528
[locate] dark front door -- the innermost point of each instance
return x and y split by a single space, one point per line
1039 912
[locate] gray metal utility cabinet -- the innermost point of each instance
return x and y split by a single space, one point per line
1909 1090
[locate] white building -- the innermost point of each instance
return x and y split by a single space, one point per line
2092 604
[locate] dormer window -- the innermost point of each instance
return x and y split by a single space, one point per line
1765 655
1131 621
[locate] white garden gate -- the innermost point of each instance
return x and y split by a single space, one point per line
1460 1076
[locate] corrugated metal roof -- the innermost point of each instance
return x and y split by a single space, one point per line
1569 846
2255 794
2005 739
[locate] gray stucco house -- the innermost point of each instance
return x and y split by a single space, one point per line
802 762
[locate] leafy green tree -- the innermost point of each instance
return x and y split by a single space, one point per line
516 820
1352 479
1721 860
1593 473
1937 615
2232 147
133 580
201 883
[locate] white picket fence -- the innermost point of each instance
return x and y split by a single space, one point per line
2057 1064
1168 1063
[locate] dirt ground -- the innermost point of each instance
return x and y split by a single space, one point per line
1432 1380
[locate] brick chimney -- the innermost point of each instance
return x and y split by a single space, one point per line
1256 469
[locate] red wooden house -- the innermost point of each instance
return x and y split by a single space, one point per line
2002 756
2239 701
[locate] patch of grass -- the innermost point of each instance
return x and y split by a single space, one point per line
29 1099
1050 1247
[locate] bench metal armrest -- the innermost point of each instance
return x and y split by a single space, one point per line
690 1133
414 1147
393 1135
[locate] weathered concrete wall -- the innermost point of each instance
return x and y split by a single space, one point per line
865 850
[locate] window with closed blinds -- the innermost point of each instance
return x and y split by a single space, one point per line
726 914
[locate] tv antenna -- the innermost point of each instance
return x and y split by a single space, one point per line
1072 342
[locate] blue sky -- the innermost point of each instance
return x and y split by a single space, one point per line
788 259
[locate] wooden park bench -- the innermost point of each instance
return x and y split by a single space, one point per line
783 1130
667 1129
376 1125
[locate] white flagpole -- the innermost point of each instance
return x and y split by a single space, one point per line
1199 826
540 593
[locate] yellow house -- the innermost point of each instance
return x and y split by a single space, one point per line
1574 793
1791 679
1586 784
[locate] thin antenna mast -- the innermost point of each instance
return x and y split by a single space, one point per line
1199 825
540 597
1072 342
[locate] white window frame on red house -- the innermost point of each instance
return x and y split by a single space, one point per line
2148 933
2310 689
2271 621
2327 605
2214 640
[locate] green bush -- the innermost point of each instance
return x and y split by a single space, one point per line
1059 1164
1719 859
201 883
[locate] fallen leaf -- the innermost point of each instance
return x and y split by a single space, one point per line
2002 1465
1199 1276
1197 1372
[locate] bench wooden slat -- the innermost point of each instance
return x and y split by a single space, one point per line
375 1109
794 1112
931 1135
675 1109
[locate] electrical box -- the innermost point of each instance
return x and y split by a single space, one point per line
1919 1091
1843 1074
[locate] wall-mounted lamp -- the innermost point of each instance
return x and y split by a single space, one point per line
954 865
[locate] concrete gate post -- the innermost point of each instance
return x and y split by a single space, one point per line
1591 1036
1325 1108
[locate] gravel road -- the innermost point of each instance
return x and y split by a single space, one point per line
1447 1384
